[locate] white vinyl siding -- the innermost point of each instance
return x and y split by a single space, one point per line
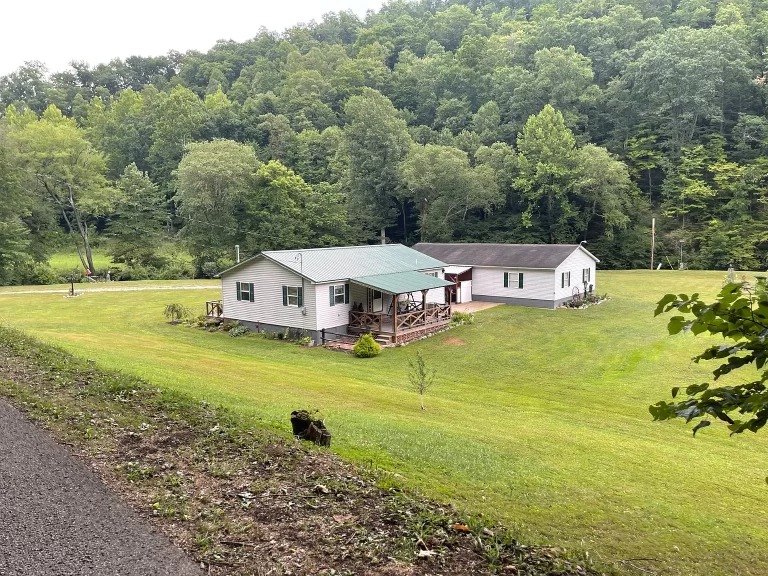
337 315
267 307
576 264
537 284
436 295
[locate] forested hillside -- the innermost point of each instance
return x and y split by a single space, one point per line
474 120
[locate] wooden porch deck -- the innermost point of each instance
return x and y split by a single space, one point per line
401 327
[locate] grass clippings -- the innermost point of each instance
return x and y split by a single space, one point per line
243 500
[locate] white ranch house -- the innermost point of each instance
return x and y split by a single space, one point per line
393 291
540 275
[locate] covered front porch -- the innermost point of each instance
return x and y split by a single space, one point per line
400 307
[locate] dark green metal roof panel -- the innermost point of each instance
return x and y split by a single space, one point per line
401 282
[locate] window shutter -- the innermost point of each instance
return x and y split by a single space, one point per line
237 287
250 294
301 297
331 290
506 279
285 295
520 280
562 280
346 293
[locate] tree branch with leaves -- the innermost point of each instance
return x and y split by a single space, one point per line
740 316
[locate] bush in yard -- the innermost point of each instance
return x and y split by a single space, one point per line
238 331
460 318
176 312
366 347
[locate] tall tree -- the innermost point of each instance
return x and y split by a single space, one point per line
138 219
65 170
546 161
213 181
377 142
445 187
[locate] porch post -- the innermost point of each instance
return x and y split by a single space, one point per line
395 304
424 306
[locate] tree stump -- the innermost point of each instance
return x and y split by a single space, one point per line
307 428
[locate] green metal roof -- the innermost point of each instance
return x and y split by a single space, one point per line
330 264
401 282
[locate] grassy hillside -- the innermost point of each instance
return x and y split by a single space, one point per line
538 417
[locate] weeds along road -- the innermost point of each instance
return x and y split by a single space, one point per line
58 519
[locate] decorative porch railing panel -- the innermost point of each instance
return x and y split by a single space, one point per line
381 322
366 320
214 309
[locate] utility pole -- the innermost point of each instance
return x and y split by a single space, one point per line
653 239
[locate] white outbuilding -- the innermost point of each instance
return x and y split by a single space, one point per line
539 275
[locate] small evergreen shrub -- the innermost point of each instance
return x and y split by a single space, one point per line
366 347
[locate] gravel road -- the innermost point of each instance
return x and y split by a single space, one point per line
58 519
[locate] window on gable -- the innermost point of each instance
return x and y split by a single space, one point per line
565 279
244 291
586 274
339 294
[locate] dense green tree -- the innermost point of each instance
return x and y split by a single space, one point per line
547 162
65 170
14 235
678 91
444 187
213 181
377 142
138 220
180 117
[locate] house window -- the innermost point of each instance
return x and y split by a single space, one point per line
513 280
434 274
565 279
339 294
586 274
293 296
244 291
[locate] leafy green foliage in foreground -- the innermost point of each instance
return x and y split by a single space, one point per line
741 318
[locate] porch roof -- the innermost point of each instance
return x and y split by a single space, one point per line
401 282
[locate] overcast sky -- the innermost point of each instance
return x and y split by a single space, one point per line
57 32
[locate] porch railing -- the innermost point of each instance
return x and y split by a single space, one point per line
375 321
366 320
214 309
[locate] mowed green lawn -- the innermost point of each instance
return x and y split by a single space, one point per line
538 418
